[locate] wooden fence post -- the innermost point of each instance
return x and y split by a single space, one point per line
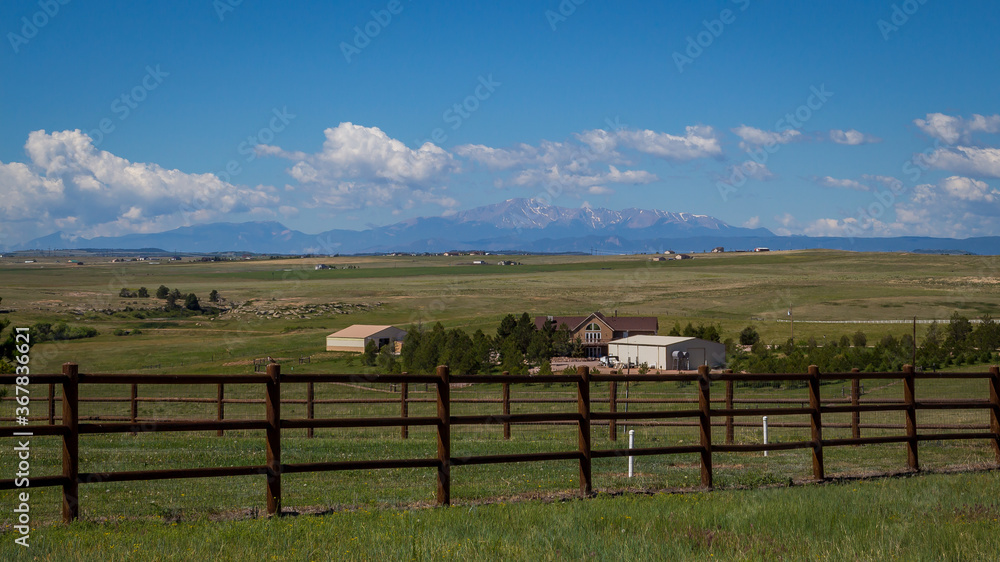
71 443
444 436
310 407
909 396
404 408
816 423
995 411
856 401
506 406
273 405
583 407
613 408
134 404
52 404
705 421
220 413
730 429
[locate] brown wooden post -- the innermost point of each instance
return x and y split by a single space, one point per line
855 401
583 407
52 404
506 406
444 436
71 443
310 407
220 405
134 404
705 421
404 408
273 406
816 423
909 396
730 429
995 411
613 408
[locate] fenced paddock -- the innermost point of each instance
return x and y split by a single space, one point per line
488 435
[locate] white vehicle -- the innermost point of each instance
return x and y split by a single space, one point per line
609 360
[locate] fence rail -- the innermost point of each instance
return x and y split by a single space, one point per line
584 417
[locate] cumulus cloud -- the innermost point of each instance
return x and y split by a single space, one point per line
852 137
753 137
591 160
956 206
362 166
752 222
749 169
70 184
827 181
953 129
966 160
698 141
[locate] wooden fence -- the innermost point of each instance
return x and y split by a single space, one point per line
71 428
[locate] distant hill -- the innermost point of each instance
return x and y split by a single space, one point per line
512 225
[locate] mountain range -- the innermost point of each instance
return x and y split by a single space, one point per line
513 225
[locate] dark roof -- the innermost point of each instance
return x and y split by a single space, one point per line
617 323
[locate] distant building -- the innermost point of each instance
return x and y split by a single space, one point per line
762 249
682 257
668 352
322 266
479 262
356 337
718 250
668 252
596 330
657 258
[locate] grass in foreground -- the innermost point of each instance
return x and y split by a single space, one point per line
927 517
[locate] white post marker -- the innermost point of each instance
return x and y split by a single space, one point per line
631 459
765 434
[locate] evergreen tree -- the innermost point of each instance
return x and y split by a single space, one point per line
749 336
191 302
162 292
370 353
143 293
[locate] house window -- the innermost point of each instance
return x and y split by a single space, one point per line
593 333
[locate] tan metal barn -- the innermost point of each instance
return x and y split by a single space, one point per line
354 338
668 352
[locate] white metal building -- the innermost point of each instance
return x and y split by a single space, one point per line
668 352
354 338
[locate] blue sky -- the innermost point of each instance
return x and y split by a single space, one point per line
871 118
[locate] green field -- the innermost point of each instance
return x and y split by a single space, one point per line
284 308
283 320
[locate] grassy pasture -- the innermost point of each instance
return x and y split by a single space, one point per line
731 290
166 520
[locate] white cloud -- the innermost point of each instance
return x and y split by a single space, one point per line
577 166
362 166
751 169
753 137
953 129
699 141
956 207
827 181
966 160
70 184
752 222
852 137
